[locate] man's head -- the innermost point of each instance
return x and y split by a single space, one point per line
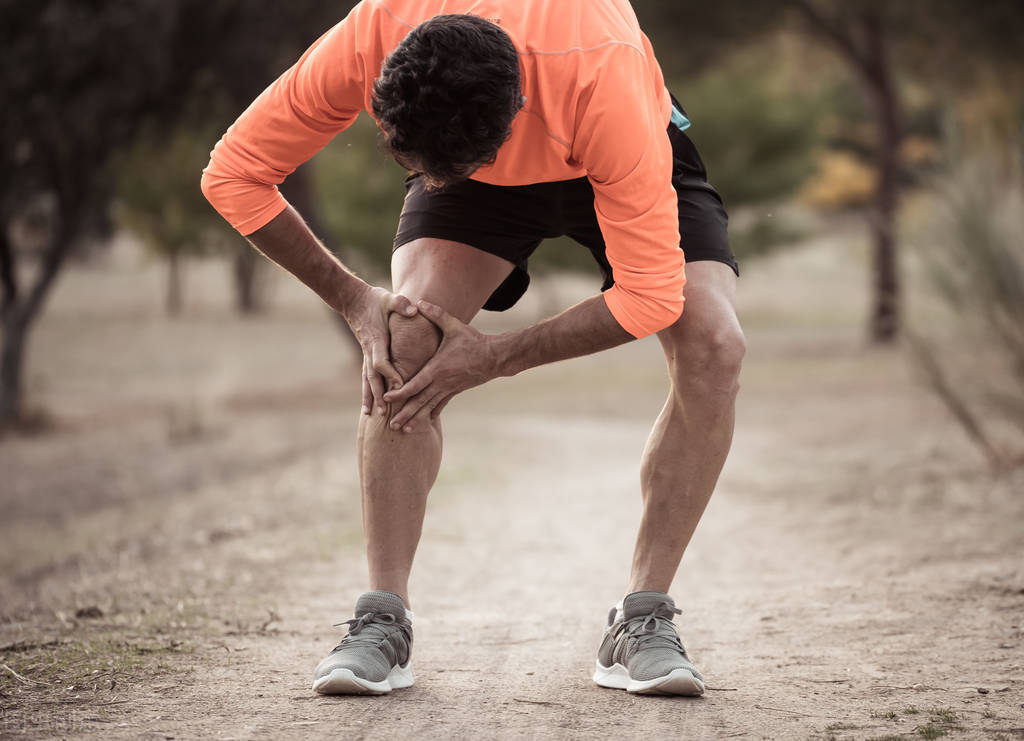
446 96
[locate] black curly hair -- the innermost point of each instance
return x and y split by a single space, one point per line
446 97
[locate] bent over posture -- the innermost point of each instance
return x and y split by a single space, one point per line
518 120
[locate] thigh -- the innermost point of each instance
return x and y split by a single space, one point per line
508 222
455 276
703 221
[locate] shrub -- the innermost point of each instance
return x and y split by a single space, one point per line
973 251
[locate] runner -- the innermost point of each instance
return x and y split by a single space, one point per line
518 120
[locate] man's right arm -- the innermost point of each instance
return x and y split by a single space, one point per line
318 97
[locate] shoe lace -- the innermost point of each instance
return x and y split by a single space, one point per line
655 628
369 629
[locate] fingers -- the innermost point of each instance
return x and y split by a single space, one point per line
436 411
414 386
415 413
439 316
380 364
401 305
367 392
375 384
426 416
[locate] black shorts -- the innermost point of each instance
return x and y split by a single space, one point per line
512 221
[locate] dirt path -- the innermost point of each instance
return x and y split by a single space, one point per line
857 575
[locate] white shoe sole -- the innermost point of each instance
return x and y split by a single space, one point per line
677 682
344 682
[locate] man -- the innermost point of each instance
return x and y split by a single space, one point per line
518 120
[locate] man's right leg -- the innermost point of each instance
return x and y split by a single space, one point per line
397 469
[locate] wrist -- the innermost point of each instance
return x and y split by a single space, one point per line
350 296
504 359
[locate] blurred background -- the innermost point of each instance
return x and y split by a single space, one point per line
156 371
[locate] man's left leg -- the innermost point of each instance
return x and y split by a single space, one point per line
691 438
641 651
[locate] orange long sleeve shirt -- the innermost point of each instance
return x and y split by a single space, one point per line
596 106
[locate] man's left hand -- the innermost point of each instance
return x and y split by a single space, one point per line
464 359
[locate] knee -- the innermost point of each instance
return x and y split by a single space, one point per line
414 340
707 352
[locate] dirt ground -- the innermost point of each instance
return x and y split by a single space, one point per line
174 552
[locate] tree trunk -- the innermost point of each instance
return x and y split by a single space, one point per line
878 77
247 265
868 54
8 280
21 315
12 361
173 298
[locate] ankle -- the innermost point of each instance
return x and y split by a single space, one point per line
649 584
402 592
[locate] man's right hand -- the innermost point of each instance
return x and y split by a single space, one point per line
367 315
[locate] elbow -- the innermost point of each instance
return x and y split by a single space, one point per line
642 314
213 189
670 314
246 204
663 314
207 184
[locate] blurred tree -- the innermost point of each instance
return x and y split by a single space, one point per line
79 77
260 40
690 38
159 202
358 191
942 43
169 214
939 41
861 33
266 38
756 150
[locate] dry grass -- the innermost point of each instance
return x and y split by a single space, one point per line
972 247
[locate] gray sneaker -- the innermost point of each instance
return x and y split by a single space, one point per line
641 651
375 656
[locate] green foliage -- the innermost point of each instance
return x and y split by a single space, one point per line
756 138
359 194
158 196
763 235
691 37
